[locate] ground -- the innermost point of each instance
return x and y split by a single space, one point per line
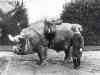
12 64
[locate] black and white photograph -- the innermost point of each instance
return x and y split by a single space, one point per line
49 37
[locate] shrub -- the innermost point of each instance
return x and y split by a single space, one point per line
86 13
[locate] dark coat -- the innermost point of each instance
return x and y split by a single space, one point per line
77 43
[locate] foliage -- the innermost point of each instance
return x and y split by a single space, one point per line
86 13
12 23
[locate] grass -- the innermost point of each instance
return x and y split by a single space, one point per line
87 48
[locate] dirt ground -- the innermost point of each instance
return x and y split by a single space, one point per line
12 64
